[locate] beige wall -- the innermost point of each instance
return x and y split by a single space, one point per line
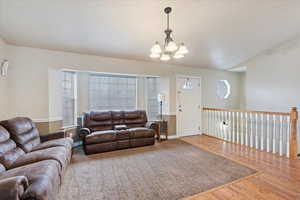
3 85
33 83
272 80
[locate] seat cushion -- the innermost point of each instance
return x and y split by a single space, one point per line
141 132
43 177
59 154
62 142
100 137
123 135
9 152
23 131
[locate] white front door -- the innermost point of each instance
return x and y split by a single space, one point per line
188 106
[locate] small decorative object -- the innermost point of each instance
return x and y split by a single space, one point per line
4 68
170 48
188 84
223 89
161 98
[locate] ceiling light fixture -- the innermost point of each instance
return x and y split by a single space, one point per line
170 48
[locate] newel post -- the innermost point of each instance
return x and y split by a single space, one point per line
293 134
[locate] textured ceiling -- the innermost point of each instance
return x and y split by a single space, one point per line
219 33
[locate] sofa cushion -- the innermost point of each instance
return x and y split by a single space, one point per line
135 117
117 117
9 152
59 154
141 132
123 135
23 131
132 114
100 116
43 177
100 137
62 142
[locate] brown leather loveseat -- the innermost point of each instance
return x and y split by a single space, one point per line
113 130
31 166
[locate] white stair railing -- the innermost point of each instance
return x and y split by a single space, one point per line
274 132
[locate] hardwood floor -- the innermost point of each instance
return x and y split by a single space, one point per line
278 177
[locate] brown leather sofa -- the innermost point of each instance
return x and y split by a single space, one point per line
31 166
113 130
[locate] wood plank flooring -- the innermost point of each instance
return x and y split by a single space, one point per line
278 177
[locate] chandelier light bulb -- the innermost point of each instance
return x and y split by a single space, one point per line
182 49
154 55
171 46
165 57
156 49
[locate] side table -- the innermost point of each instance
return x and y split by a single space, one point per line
162 127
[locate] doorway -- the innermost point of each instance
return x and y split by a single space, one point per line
189 105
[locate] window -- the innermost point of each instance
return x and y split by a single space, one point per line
151 95
112 92
223 89
69 98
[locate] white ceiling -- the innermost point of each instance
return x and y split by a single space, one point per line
219 33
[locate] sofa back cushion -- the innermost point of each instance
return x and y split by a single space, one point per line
98 120
9 152
135 118
23 131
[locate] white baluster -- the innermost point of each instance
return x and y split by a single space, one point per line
220 125
242 128
217 124
227 133
256 131
246 129
238 123
230 130
274 134
262 132
268 133
233 127
251 130
280 136
288 136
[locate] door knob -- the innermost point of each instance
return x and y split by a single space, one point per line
180 110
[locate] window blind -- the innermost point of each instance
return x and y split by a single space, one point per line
112 92
68 87
151 94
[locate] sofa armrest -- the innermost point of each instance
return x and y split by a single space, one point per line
84 132
53 136
13 188
151 125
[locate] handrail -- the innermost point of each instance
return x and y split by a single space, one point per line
248 111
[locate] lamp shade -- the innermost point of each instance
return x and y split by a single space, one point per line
156 49
171 46
154 55
161 97
182 49
178 56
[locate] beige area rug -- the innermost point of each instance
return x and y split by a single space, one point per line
169 170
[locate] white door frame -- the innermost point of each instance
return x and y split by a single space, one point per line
178 134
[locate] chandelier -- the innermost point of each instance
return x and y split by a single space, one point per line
170 48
